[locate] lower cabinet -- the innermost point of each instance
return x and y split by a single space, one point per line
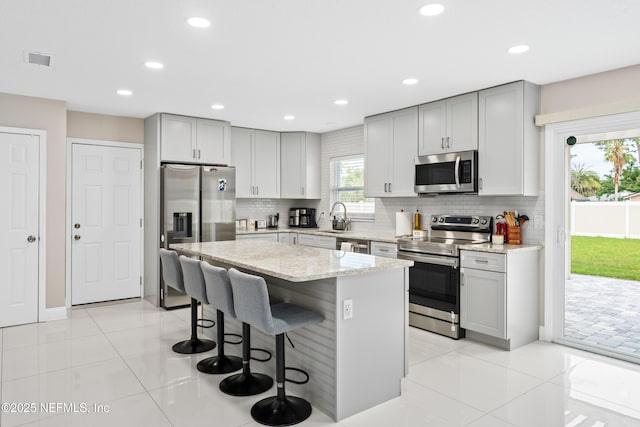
270 237
289 238
384 249
317 241
499 296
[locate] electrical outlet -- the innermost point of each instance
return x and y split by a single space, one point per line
347 309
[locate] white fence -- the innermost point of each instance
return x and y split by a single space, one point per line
607 219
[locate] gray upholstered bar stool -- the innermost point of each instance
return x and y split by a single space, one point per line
220 296
173 276
251 301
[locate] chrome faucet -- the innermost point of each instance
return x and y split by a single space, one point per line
340 224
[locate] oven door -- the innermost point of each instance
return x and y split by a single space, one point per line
434 282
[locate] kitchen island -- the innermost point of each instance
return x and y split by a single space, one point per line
354 363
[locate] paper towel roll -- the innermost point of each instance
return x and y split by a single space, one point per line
404 223
346 246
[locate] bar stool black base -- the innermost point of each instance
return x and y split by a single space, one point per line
287 411
246 384
219 364
193 346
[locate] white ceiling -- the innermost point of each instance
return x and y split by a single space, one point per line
263 59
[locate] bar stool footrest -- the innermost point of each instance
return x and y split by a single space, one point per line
305 373
219 364
193 346
246 384
286 411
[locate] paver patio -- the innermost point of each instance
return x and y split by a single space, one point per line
603 311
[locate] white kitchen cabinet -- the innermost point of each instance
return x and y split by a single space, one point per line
499 296
316 241
256 156
384 249
448 125
269 237
194 140
289 238
391 145
299 165
508 140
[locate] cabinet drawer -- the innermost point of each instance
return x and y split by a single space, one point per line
271 237
325 242
483 261
306 240
389 250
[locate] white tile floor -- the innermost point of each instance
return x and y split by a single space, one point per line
118 357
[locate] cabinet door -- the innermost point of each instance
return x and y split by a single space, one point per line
404 148
462 123
292 162
307 240
266 164
501 139
483 300
177 138
432 128
241 158
312 166
214 142
376 153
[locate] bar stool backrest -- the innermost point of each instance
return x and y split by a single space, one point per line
193 279
218 285
171 269
251 300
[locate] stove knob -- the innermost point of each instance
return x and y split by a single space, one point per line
475 220
484 222
434 219
441 219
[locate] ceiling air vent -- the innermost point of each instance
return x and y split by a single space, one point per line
37 58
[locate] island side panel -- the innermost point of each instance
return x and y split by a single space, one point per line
315 345
371 347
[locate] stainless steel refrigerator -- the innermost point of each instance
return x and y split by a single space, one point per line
198 204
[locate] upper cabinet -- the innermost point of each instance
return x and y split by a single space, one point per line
256 156
508 142
449 125
194 140
299 165
390 146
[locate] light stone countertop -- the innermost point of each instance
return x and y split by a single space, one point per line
374 236
499 249
290 262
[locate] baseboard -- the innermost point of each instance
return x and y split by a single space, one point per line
54 313
542 334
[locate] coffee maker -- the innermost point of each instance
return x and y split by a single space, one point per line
272 221
302 218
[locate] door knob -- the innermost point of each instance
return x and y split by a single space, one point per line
31 239
76 237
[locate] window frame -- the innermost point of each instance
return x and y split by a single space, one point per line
334 189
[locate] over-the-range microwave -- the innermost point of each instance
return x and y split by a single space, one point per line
447 173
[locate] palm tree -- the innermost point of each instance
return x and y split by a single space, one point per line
583 180
616 151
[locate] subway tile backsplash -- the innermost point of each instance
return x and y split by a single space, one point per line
350 141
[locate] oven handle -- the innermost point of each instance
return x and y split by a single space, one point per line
449 262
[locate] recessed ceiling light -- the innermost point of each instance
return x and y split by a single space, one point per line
154 65
518 49
217 106
341 102
198 22
124 92
409 81
432 9
289 117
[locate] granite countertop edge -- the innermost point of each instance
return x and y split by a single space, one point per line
500 249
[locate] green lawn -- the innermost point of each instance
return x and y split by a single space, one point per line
606 257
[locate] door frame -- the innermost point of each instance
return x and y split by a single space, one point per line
69 219
557 208
43 313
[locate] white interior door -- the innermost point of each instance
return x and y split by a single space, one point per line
106 223
19 178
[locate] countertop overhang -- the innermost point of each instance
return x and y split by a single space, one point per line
290 262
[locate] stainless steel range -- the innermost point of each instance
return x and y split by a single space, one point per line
434 280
